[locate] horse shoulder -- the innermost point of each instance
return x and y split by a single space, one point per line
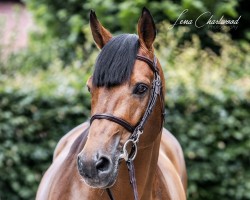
170 185
171 157
61 153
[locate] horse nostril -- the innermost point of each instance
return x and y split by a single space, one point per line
80 165
79 162
103 164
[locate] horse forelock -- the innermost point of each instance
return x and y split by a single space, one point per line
114 65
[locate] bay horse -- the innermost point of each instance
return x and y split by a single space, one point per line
124 143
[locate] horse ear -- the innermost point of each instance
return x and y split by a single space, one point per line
100 34
146 29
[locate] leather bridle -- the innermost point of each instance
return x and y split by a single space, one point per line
137 130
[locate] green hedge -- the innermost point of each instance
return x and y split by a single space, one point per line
36 110
207 102
215 138
208 109
64 21
29 128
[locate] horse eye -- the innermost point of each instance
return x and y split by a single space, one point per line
140 89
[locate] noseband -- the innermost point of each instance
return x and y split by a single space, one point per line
138 129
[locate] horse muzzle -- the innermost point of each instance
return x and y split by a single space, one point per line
98 172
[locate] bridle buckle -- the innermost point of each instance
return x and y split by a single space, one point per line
129 156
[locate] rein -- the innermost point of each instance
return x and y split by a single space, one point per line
138 129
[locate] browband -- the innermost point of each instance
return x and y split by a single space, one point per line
149 62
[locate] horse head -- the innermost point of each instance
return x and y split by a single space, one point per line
121 87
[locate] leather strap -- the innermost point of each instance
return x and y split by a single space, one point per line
110 194
113 118
148 61
131 170
155 92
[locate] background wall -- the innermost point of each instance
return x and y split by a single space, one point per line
15 23
43 93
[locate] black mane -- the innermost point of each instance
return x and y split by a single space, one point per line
115 62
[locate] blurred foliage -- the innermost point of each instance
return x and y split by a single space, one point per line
36 109
207 102
64 21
